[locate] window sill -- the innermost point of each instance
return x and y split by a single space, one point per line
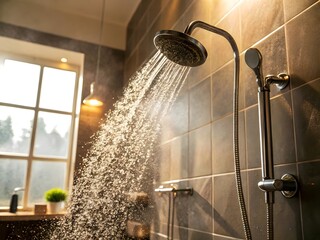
27 216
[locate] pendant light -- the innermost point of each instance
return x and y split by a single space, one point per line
94 99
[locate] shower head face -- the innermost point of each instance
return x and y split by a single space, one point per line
180 48
253 58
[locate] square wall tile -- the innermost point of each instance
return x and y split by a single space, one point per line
179 157
256 206
163 166
221 49
303 37
172 12
306 106
258 19
200 206
222 92
310 198
155 236
286 211
181 203
154 9
159 232
200 104
226 212
130 67
222 145
175 123
220 8
161 208
291 10
199 10
196 235
161 211
282 130
200 152
180 233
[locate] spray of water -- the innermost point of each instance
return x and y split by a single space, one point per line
122 155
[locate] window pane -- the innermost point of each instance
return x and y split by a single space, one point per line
57 90
15 129
45 175
12 175
52 135
19 83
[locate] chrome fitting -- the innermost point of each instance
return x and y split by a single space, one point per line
281 80
288 185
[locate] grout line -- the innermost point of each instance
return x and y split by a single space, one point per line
212 203
183 15
229 12
309 161
248 205
205 177
190 86
173 139
302 12
231 173
284 164
293 120
305 84
147 30
209 233
277 29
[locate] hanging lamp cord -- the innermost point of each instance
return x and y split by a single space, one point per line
100 39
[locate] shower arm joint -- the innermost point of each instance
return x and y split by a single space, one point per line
199 24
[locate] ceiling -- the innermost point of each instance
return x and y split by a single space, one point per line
77 19
116 11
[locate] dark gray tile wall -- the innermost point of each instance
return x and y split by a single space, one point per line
310 197
200 104
197 133
302 45
306 105
226 214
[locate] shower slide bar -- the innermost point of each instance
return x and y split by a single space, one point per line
287 185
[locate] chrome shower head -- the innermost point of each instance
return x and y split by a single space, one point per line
180 48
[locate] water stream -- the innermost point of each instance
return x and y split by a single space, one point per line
122 157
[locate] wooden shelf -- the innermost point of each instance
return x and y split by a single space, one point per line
27 216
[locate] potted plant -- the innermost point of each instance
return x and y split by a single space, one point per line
55 198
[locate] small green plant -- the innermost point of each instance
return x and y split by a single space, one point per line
55 195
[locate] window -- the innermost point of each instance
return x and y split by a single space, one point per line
38 101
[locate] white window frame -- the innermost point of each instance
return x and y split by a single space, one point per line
70 159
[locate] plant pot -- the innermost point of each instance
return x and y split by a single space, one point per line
56 207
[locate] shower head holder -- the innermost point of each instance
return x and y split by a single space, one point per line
281 80
288 185
253 59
